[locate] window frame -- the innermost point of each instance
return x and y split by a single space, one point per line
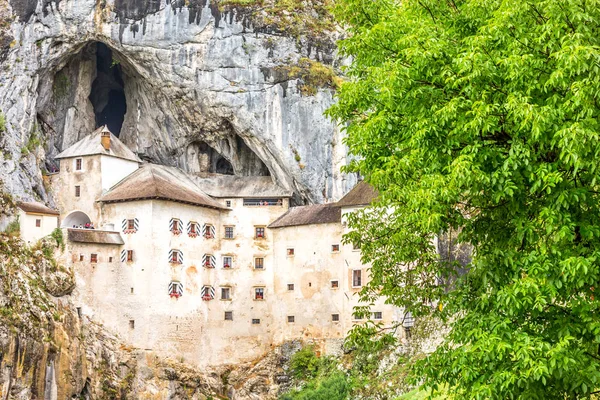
230 264
336 282
290 252
259 266
290 287
228 314
225 235
77 190
130 224
79 164
261 228
255 321
94 258
376 316
335 248
128 255
38 222
360 283
291 319
226 289
257 296
335 317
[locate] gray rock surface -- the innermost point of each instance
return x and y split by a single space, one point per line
193 78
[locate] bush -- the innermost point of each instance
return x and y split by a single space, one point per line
13 228
334 387
305 363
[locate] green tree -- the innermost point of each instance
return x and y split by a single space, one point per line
479 119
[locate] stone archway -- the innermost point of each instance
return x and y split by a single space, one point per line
75 219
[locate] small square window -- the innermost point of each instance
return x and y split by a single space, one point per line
225 293
357 316
131 324
335 317
227 262
130 224
227 203
255 321
356 278
335 248
290 252
38 223
290 286
228 315
259 232
259 293
78 164
129 256
77 191
81 257
259 263
229 232
291 318
94 258
110 259
377 315
335 284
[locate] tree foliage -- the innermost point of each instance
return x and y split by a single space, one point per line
479 119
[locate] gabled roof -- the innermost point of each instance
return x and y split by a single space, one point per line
94 236
91 145
152 181
308 215
36 208
361 195
217 185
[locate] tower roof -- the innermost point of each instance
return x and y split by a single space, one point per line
152 181
92 145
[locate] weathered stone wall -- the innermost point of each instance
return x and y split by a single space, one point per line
191 73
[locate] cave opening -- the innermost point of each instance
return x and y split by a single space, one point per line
108 91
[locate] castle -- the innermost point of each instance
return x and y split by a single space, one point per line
214 268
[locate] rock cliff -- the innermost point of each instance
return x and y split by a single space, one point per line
223 86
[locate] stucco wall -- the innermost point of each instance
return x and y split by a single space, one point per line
31 233
114 169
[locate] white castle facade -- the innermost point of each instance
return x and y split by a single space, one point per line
216 269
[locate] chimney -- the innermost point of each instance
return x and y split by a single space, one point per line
105 138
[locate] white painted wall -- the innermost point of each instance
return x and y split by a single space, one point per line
114 169
30 233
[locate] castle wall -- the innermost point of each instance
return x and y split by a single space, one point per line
30 232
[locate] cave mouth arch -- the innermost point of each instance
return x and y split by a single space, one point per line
108 90
75 219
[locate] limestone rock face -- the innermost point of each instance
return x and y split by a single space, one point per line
191 83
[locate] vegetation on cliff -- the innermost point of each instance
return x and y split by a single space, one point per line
481 118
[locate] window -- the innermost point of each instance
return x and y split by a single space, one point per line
131 324
263 202
129 256
290 252
356 278
175 226
335 317
208 231
335 248
357 316
38 223
290 286
227 203
377 315
225 293
227 262
355 247
228 315
78 164
335 284
209 261
175 257
81 257
94 258
77 191
255 321
291 318
259 232
259 263
130 225
229 232
208 293
259 293
175 289
110 259
130 290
